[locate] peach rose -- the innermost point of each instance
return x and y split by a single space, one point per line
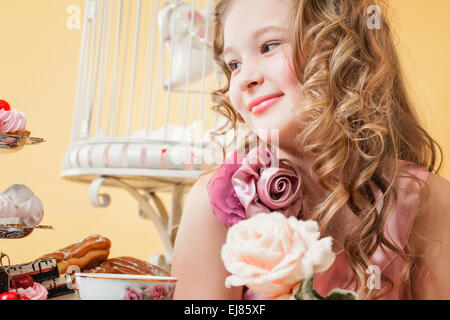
271 254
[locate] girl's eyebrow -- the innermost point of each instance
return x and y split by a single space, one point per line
257 34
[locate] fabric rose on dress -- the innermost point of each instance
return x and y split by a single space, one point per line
132 294
271 254
225 203
264 184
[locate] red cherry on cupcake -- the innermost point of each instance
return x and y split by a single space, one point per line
10 296
22 282
4 105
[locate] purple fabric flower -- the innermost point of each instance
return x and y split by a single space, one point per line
158 292
225 203
132 294
263 184
260 183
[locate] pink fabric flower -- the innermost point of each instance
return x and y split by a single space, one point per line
263 186
158 292
132 294
225 203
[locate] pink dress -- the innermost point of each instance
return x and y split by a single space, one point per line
398 229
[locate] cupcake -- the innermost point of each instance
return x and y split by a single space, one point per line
26 207
12 121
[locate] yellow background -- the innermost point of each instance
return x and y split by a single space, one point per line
38 75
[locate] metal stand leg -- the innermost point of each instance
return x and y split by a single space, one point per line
166 225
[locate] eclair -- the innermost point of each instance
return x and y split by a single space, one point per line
128 265
86 253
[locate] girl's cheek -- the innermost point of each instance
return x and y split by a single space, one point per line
286 65
235 96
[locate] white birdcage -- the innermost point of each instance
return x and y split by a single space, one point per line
142 109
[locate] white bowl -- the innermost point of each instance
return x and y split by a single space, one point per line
108 286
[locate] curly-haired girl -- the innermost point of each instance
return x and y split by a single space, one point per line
325 75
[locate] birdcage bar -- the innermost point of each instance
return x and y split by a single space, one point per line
205 46
149 78
169 88
103 62
135 56
81 71
188 67
92 12
116 66
98 62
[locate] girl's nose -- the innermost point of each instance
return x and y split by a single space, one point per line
250 78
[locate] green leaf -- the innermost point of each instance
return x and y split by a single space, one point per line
341 294
307 290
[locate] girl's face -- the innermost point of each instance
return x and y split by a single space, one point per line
259 56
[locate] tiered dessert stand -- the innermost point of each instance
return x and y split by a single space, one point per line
9 144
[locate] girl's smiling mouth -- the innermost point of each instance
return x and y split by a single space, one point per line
261 104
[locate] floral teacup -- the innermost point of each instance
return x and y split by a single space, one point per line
106 286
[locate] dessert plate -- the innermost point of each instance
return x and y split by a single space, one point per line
15 231
14 142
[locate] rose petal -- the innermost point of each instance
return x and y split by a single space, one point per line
226 208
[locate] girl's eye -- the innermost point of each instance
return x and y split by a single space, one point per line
267 45
264 48
230 66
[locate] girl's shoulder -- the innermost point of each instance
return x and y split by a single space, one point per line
434 222
432 240
435 216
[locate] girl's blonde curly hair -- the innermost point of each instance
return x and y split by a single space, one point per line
359 120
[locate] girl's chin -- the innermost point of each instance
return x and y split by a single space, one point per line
275 133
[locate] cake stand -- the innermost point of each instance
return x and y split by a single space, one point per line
10 143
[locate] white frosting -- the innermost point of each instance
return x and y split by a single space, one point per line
19 193
12 121
31 212
7 207
25 205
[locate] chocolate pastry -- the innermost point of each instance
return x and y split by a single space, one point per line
86 253
59 286
128 265
39 270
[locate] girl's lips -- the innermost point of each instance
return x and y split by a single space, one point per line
266 104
